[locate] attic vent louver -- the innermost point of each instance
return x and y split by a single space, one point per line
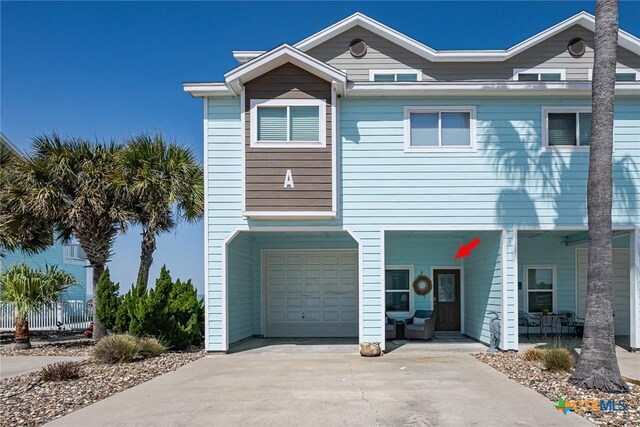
576 47
357 48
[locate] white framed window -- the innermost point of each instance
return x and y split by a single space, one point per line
395 75
73 252
439 129
566 128
539 74
540 288
397 289
288 123
622 75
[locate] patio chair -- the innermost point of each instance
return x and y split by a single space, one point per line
420 326
528 321
389 328
570 320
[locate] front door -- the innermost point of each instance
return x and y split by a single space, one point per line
446 295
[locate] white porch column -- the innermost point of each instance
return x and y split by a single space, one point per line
634 300
509 250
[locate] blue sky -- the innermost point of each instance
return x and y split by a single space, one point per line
108 70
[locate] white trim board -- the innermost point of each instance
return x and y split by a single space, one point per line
205 149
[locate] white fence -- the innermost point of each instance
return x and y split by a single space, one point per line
72 314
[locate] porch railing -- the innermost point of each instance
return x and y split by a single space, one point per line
65 315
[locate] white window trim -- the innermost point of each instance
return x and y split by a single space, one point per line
618 71
403 314
544 120
554 268
405 71
472 147
561 71
322 120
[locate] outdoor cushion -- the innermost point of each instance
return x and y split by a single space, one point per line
413 327
389 327
419 321
426 314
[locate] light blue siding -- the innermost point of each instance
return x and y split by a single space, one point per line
53 256
240 290
509 182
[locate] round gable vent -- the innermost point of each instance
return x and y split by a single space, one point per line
577 47
357 48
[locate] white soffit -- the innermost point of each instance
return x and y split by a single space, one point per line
277 57
584 19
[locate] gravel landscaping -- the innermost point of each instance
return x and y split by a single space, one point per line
554 385
26 401
74 347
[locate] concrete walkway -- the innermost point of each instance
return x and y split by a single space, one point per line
288 384
10 366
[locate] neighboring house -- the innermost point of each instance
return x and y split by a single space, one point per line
342 167
68 257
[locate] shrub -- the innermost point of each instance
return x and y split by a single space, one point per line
557 359
150 347
170 312
108 301
61 371
116 349
533 354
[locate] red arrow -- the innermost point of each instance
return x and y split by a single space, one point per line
465 250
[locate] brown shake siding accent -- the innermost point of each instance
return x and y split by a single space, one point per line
266 168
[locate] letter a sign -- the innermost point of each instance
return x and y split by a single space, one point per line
288 179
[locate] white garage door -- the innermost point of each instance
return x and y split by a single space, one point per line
311 294
621 295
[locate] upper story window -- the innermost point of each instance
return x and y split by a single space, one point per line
440 128
395 75
73 252
535 75
566 128
622 75
294 123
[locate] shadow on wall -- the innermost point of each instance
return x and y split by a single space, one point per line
537 182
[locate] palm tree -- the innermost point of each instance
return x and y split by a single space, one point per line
18 232
69 183
598 366
30 291
164 185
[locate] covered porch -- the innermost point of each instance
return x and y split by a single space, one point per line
463 290
552 282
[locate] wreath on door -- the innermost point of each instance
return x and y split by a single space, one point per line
422 285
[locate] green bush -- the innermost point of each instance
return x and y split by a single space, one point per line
61 371
107 300
533 354
557 359
116 349
170 312
151 347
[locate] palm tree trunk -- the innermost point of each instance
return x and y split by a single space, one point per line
597 366
22 333
99 330
147 247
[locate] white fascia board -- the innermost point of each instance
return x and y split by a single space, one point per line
243 56
200 90
514 88
583 19
280 56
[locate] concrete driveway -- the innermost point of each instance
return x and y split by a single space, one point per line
423 384
10 366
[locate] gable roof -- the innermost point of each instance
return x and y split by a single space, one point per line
279 56
584 19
